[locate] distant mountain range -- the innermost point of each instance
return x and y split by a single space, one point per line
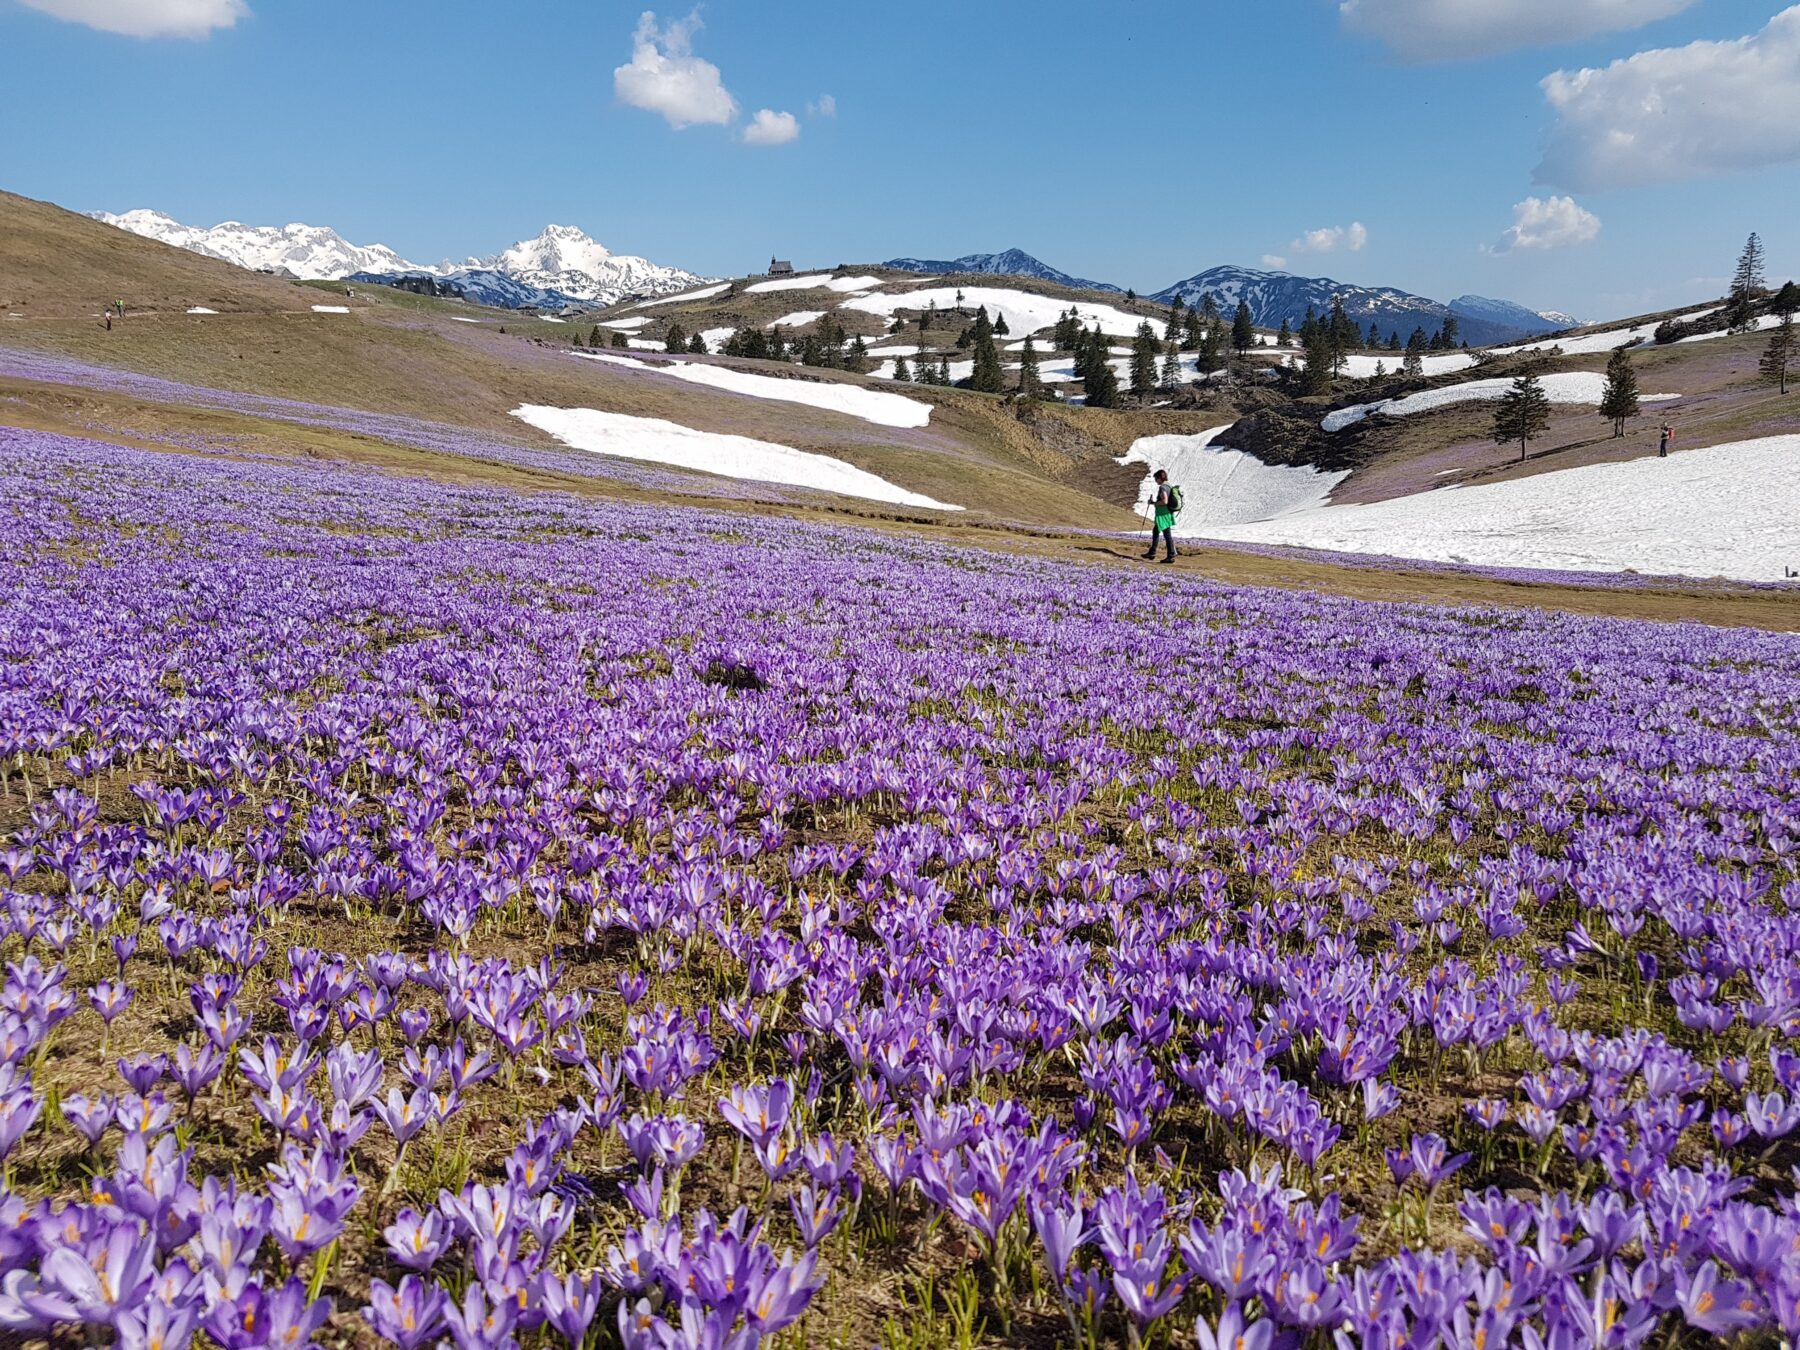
1275 296
1012 263
562 266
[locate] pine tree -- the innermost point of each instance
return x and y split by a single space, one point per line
1177 317
677 339
1067 332
1030 384
618 340
1778 356
1393 342
1212 347
575 338
1315 342
1243 333
1452 333
1381 370
1000 328
1374 341
1746 285
1342 334
1101 386
943 370
777 343
1209 308
987 378
1284 338
1523 413
1619 400
1193 331
901 371
1786 301
858 360
1171 365
697 345
1144 352
595 339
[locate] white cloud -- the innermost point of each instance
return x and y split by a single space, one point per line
1676 113
1350 239
1274 262
664 76
823 106
771 128
1454 30
147 18
1556 223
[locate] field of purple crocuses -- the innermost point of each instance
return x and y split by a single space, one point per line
439 915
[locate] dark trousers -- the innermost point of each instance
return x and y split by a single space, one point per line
1166 535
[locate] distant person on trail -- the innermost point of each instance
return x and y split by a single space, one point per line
1166 502
109 321
1668 439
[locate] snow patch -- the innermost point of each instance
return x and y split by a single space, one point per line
872 405
704 293
660 442
799 319
458 318
814 281
202 309
331 309
1225 487
638 322
1723 510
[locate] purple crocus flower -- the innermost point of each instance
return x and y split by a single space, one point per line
410 1314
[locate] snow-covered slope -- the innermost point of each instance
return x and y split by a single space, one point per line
1723 510
1226 487
1024 312
1573 386
482 286
1014 262
308 251
872 405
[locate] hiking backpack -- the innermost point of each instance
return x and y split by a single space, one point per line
1174 500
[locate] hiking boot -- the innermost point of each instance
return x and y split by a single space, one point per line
1169 559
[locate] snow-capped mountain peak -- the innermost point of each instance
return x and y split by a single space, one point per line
1014 262
560 248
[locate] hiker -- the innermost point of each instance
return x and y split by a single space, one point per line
1166 501
1668 437
109 321
120 306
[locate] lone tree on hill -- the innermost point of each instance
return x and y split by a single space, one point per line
1030 386
1778 356
1619 400
1243 333
1523 413
1746 285
1144 351
1000 328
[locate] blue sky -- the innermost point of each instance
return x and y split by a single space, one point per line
1137 143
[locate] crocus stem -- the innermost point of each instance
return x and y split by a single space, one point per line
321 1267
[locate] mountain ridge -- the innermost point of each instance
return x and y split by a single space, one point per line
1012 262
563 263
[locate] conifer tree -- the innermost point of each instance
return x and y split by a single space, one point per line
1171 365
1101 386
1177 318
697 345
1778 356
901 371
1452 333
1315 343
778 348
1374 341
1746 285
1786 301
1209 308
1393 342
677 339
987 378
1067 332
1523 413
1000 328
1619 400
618 340
1284 338
1030 384
575 339
594 337
858 360
1212 347
1144 352
1193 331
943 370
1243 332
